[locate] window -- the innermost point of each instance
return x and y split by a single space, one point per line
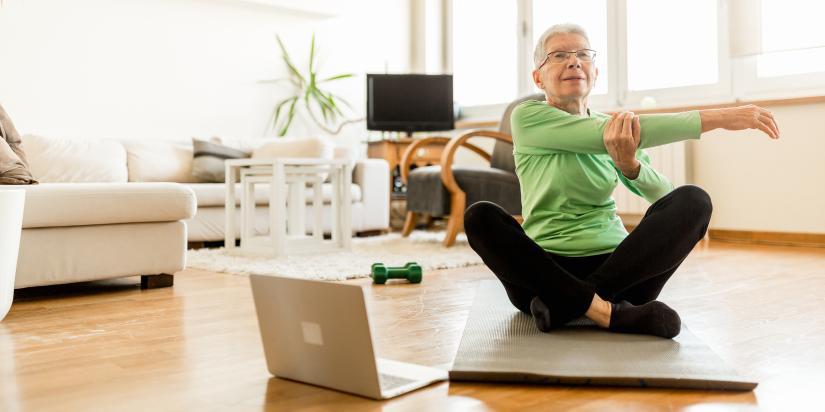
666 56
671 44
791 62
591 15
792 39
649 52
484 52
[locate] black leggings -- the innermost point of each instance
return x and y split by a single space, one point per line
636 271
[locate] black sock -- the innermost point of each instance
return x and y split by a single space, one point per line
652 318
541 314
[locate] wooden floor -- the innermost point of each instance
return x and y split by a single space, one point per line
112 346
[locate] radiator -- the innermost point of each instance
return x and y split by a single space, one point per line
668 160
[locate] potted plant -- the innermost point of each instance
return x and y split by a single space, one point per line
11 226
322 107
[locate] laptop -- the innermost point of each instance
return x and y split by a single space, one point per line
319 333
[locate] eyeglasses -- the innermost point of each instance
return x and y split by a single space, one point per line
561 56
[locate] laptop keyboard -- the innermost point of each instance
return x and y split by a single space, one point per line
392 381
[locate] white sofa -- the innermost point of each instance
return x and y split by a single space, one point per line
109 208
74 232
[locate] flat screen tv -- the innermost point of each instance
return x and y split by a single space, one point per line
410 102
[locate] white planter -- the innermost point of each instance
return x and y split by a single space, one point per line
11 225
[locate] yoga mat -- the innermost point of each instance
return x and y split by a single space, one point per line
501 344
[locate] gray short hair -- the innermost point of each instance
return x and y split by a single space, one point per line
539 54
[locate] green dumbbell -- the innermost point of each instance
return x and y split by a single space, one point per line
411 271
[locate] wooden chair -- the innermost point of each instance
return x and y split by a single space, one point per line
447 190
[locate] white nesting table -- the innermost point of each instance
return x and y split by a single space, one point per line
288 179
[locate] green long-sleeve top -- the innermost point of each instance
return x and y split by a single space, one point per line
567 177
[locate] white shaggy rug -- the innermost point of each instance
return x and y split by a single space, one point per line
425 248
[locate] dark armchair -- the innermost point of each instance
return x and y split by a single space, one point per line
447 190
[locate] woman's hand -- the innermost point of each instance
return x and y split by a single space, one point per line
740 118
621 139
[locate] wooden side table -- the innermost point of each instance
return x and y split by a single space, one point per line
392 150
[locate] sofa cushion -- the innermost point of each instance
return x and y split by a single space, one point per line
80 204
249 145
310 147
214 194
295 147
346 153
208 160
59 160
159 161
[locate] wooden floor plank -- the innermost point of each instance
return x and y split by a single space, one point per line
112 346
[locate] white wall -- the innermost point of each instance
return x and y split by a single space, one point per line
153 69
759 184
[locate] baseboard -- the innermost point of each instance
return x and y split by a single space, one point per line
769 238
748 236
630 220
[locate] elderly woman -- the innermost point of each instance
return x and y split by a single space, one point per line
572 255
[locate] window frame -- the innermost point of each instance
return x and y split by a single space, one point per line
749 86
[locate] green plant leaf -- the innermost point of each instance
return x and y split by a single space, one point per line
322 105
308 92
330 101
338 77
289 118
342 100
288 61
277 111
270 124
321 108
324 102
312 55
311 74
306 88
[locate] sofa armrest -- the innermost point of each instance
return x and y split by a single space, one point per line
373 176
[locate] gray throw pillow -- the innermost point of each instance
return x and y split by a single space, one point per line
14 170
208 157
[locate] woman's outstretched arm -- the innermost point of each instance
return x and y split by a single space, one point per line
740 118
623 130
541 129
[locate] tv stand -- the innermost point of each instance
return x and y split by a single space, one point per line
392 150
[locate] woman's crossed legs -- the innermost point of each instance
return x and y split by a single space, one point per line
635 272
